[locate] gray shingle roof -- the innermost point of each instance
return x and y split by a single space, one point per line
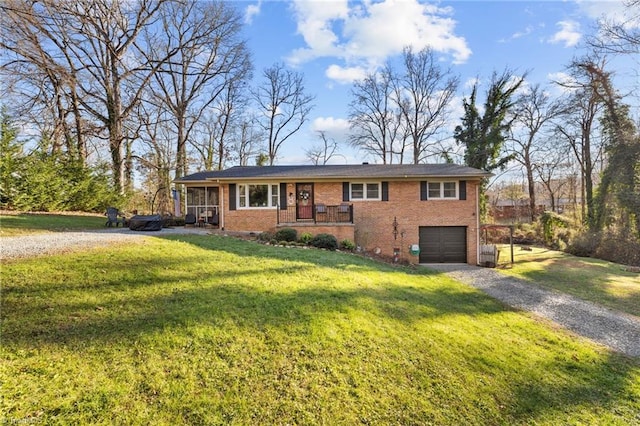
328 172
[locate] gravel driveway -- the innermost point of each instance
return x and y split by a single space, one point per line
37 244
618 331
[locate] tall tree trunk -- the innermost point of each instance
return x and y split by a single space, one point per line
181 148
588 179
531 187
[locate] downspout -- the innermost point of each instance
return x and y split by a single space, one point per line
221 207
477 224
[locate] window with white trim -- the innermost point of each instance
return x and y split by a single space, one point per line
257 195
365 191
443 190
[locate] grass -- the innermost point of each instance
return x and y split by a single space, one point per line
13 225
596 280
213 330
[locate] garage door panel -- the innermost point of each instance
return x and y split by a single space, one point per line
443 244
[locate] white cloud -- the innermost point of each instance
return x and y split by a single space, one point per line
615 11
384 28
315 23
519 34
365 34
331 125
569 33
345 75
251 11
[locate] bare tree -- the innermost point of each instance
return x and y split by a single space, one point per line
210 60
374 119
112 70
321 154
37 55
248 140
285 106
423 92
97 64
578 128
553 168
157 159
533 111
620 177
228 110
619 36
219 128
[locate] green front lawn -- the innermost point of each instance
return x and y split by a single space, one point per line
213 330
596 280
26 223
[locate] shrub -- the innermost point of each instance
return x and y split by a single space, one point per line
172 221
286 234
325 241
584 245
265 237
607 245
347 244
550 223
306 237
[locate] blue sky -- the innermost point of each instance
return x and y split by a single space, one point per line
334 42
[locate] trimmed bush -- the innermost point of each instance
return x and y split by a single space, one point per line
325 241
286 234
347 245
306 237
265 237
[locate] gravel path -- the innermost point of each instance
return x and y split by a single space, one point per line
618 331
52 242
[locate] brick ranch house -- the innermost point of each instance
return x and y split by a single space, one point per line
387 209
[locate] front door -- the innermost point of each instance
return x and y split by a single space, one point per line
304 201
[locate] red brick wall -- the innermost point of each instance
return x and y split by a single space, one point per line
374 219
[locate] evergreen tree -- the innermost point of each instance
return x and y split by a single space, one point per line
483 135
10 153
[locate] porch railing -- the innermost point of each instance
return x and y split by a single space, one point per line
320 213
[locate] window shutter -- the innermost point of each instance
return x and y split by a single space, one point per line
232 196
423 191
385 191
345 191
283 196
462 189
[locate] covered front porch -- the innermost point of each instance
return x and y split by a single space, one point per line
202 205
336 220
315 214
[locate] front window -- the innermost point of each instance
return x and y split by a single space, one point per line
365 191
357 191
257 195
449 190
444 190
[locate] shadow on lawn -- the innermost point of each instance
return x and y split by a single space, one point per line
218 303
124 315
